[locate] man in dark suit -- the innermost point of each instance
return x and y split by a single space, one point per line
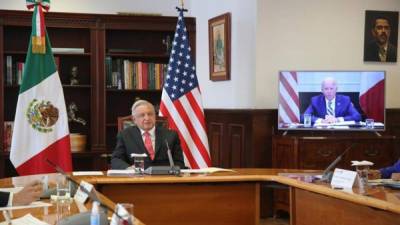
146 138
380 49
330 107
28 194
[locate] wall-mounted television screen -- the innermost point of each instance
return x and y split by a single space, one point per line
332 100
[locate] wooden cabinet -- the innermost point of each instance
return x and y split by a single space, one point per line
88 40
317 152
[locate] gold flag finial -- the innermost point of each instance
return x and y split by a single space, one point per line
181 1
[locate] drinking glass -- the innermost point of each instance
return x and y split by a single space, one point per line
139 165
63 188
63 202
307 120
362 172
369 123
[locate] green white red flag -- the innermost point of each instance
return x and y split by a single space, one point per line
41 123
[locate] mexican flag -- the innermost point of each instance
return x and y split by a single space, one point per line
372 95
41 123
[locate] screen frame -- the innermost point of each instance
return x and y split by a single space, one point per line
326 129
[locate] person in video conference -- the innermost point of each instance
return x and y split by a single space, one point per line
146 138
329 107
28 194
386 172
380 49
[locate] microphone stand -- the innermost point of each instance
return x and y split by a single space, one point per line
327 174
165 170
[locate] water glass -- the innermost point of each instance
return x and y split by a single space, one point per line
63 209
369 123
63 189
362 173
139 165
63 202
307 120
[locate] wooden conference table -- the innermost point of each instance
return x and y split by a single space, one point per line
227 198
234 198
49 214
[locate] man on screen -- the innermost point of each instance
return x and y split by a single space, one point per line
329 107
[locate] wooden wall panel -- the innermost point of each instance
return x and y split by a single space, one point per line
252 146
236 134
215 132
245 138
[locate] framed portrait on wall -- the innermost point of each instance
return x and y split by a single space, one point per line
380 36
219 33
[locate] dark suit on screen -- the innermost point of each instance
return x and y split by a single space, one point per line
130 141
372 53
4 198
343 108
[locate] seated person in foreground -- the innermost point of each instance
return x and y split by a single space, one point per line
385 173
27 195
329 107
147 138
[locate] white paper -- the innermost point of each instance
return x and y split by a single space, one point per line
87 173
362 163
32 205
81 196
81 207
206 170
376 124
13 190
120 172
343 123
339 127
138 155
27 219
343 178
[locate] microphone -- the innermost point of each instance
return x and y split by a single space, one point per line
171 161
84 218
327 174
165 170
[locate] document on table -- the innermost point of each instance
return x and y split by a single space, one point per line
87 173
32 205
27 219
207 170
120 172
13 189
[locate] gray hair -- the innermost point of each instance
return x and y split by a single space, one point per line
140 103
333 80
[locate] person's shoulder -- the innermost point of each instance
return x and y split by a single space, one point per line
165 130
317 97
372 45
129 130
391 48
343 98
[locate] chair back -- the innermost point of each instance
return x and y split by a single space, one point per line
126 121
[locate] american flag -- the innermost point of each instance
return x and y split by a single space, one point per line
288 98
181 101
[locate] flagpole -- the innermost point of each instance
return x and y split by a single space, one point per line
181 8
